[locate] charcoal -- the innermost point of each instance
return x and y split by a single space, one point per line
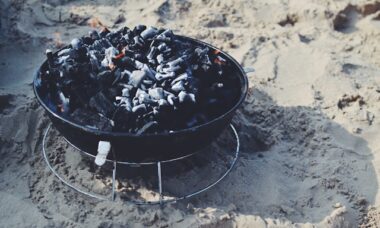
100 103
125 102
147 127
149 33
104 32
163 76
144 80
181 77
49 55
160 58
172 100
139 109
94 35
152 53
148 82
162 47
94 62
138 65
178 87
76 43
110 53
87 118
105 77
162 103
165 36
138 41
186 97
149 72
126 92
138 29
144 98
156 93
62 52
137 77
64 103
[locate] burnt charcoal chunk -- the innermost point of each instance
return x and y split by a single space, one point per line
137 77
156 93
148 127
139 109
105 77
138 29
100 103
149 33
122 119
145 80
87 118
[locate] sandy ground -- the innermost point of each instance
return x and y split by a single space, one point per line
309 128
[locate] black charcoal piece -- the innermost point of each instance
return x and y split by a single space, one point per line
163 76
162 103
64 103
94 62
139 109
138 65
172 100
138 41
100 103
160 58
181 77
49 56
149 33
104 32
148 82
110 53
156 93
178 87
138 29
137 77
76 43
66 51
165 36
148 127
145 99
105 77
126 92
149 72
125 102
186 97
152 53
94 34
87 118
162 47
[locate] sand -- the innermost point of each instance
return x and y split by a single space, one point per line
309 127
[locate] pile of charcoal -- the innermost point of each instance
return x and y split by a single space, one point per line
145 80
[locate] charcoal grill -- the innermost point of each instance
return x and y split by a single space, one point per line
148 149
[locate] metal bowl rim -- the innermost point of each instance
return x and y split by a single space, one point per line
243 94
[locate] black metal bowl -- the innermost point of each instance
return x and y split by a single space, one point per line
150 147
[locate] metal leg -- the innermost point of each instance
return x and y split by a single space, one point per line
142 202
56 173
159 181
113 181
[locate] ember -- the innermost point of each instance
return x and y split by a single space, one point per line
145 80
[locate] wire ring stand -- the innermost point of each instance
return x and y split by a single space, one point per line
158 164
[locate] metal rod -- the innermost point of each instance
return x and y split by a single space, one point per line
58 176
137 164
142 202
159 181
113 180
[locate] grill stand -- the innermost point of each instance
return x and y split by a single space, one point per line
115 163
